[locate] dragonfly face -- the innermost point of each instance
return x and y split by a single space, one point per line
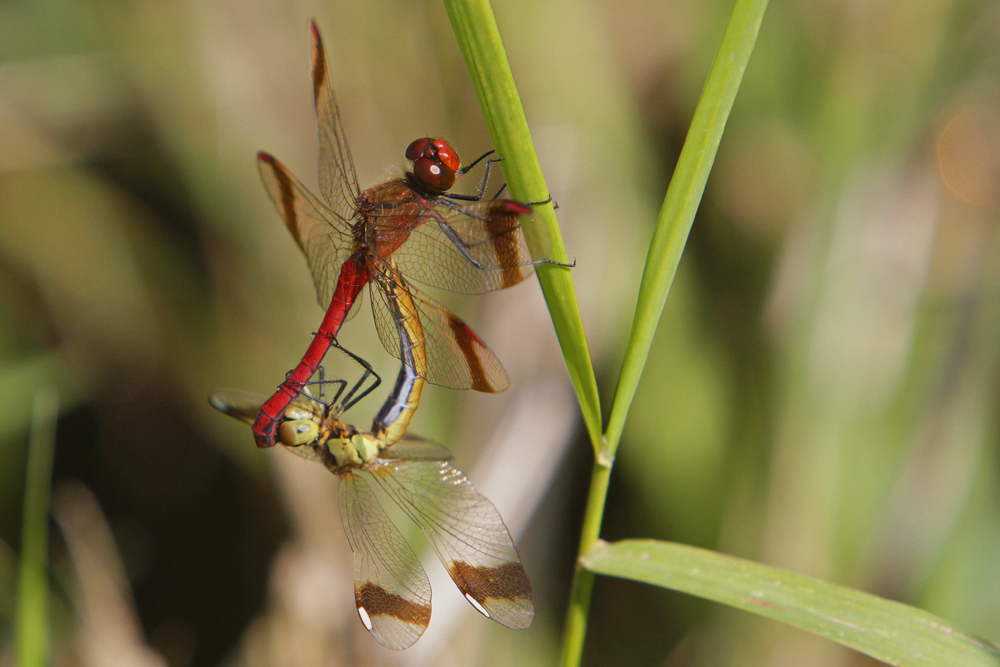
435 164
299 427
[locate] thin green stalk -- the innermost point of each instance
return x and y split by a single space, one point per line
582 587
33 590
479 40
683 197
676 217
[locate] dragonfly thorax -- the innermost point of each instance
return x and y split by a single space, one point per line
356 450
388 212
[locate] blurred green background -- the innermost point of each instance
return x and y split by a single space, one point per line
822 394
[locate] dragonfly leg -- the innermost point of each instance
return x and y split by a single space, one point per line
550 200
358 391
458 242
466 248
555 204
552 262
322 383
482 185
464 170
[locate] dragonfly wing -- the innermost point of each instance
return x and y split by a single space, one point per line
467 534
391 589
338 181
456 357
236 403
414 448
323 235
468 247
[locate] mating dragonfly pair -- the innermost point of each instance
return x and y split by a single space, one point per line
407 228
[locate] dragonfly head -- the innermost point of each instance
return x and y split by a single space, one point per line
299 427
435 164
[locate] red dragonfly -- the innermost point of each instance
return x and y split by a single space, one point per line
456 242
391 590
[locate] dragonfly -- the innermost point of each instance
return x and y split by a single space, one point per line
391 590
458 242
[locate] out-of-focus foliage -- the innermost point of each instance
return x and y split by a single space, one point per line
822 394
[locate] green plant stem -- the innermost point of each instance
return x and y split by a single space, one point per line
33 590
479 40
582 587
676 217
482 49
683 197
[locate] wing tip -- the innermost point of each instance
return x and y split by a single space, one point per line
501 593
495 385
394 621
319 70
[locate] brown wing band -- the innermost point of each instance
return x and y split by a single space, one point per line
376 601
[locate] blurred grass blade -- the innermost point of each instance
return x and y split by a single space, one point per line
33 590
20 380
683 198
479 40
885 630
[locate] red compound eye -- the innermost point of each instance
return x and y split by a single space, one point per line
432 175
434 163
417 147
447 155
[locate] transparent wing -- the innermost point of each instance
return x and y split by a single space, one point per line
391 590
236 403
468 247
338 182
323 235
456 356
415 448
467 534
